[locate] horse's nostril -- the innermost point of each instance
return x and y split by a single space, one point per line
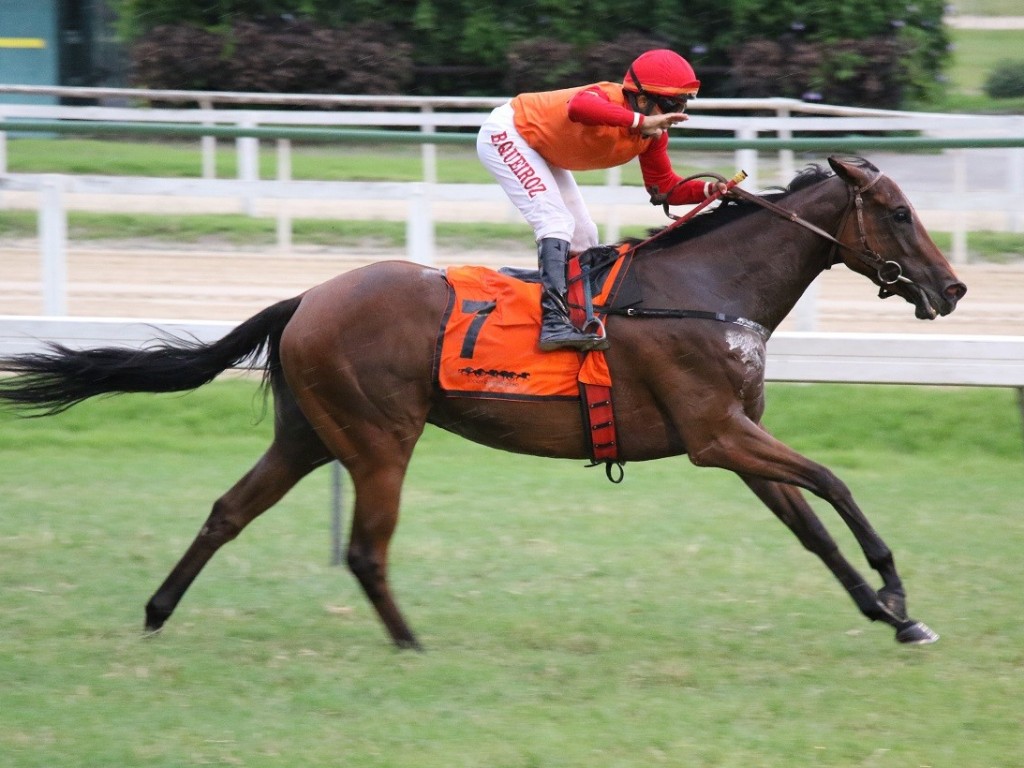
956 291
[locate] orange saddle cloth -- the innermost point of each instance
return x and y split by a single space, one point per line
488 343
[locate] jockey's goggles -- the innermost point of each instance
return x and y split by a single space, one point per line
665 103
670 103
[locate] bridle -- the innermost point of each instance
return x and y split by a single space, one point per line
889 272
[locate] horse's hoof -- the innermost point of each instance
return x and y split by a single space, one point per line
916 633
409 644
155 618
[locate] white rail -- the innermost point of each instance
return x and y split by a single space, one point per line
954 199
863 358
791 117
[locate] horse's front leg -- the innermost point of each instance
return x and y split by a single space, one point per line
792 509
765 463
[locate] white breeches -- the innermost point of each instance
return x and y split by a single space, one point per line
548 197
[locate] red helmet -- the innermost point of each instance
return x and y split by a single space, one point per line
662 72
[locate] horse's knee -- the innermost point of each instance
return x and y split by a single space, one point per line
219 528
367 571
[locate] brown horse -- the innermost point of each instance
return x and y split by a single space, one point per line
350 365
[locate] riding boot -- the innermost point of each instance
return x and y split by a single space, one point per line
557 331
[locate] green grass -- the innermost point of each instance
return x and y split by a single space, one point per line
670 620
986 246
975 54
323 162
988 7
123 157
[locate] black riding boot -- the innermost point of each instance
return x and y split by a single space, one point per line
557 331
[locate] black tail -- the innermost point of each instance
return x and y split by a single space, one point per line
53 382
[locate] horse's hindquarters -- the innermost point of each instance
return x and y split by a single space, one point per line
358 356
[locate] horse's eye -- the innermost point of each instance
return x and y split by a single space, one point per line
902 216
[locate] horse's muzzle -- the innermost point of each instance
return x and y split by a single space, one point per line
930 303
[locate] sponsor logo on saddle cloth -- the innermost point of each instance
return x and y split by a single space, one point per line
489 343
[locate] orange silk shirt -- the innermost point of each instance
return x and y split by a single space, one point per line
542 119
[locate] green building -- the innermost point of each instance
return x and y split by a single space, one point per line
57 42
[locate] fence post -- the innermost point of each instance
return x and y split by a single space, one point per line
337 513
53 235
1016 191
419 226
959 254
746 159
248 150
208 147
284 204
428 151
613 184
786 170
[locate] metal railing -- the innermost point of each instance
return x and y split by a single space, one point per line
248 127
782 118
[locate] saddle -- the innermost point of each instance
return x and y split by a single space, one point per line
488 339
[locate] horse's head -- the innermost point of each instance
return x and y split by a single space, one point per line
888 243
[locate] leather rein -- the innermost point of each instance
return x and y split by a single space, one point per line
889 272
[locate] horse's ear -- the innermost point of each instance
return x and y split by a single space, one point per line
855 171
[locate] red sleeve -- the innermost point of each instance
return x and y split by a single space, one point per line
656 168
591 106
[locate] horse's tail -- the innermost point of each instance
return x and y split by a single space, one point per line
53 381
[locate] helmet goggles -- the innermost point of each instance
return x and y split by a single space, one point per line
674 103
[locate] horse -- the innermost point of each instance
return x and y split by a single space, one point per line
349 365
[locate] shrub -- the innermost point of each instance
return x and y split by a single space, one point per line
284 56
877 51
176 56
863 72
544 63
541 64
1006 80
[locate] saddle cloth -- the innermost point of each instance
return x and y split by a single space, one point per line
488 343
488 348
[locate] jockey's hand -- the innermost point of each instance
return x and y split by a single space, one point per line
655 125
719 186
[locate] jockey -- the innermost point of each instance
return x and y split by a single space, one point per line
532 144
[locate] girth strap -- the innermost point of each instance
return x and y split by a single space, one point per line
682 314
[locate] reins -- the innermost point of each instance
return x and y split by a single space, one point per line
680 220
888 271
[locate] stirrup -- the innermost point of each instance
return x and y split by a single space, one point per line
594 326
572 339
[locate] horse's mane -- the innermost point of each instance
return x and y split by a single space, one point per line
732 210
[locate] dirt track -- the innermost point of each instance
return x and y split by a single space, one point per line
231 285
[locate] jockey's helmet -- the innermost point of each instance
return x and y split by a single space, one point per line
661 72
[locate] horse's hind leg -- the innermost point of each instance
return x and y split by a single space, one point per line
376 457
295 452
377 489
